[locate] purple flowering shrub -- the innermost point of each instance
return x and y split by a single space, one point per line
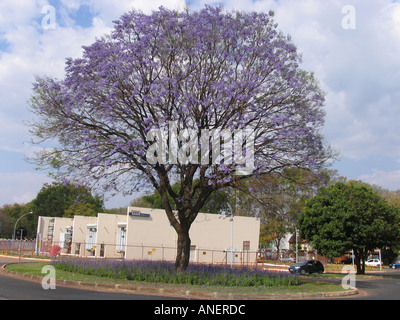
164 272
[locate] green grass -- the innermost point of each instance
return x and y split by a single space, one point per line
309 286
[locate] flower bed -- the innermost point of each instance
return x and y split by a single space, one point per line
163 272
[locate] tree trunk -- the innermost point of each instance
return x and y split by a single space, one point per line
360 261
185 216
358 264
183 250
278 251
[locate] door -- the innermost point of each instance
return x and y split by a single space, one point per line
90 239
121 236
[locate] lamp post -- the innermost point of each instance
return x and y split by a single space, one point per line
15 226
232 240
232 216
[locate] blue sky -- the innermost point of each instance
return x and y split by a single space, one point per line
354 54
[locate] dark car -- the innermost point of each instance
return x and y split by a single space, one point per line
307 266
395 265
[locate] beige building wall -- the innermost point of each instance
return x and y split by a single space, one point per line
44 234
149 236
62 233
218 233
108 226
152 237
43 230
53 231
81 226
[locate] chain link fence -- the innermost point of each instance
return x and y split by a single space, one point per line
290 256
14 246
150 252
145 252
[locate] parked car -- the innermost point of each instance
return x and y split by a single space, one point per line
395 265
290 259
307 266
373 263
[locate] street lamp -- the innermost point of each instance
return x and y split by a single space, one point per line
15 226
232 216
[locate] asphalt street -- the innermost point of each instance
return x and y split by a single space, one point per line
378 288
370 288
17 289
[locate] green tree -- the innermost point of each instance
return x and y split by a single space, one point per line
278 199
82 208
9 214
55 199
347 216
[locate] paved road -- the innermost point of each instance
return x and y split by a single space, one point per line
17 289
378 288
374 288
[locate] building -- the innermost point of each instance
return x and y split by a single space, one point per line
110 231
284 244
150 236
54 231
84 238
146 234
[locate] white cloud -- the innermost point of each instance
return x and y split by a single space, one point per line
31 51
16 13
72 4
34 52
112 10
388 180
359 69
20 187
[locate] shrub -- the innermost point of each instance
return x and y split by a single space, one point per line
164 272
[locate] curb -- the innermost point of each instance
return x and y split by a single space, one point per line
168 292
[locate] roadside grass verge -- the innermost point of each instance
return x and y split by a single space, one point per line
309 286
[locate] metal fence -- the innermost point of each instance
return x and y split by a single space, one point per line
146 252
23 247
290 256
153 252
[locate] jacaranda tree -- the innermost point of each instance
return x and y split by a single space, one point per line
208 96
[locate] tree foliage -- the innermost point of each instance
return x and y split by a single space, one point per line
65 199
9 214
279 198
207 72
350 216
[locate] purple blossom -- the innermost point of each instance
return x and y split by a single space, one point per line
208 69
164 272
